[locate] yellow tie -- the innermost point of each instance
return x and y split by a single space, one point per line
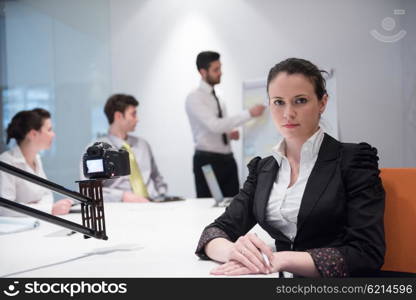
136 179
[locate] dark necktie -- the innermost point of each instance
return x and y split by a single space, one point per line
224 136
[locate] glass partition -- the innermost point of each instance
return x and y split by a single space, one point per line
56 55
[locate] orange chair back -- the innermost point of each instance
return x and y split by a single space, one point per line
400 219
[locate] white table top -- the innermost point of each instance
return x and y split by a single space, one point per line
145 240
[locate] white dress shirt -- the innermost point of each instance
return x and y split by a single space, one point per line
207 127
17 189
113 189
284 202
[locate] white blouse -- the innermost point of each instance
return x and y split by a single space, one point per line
17 189
284 202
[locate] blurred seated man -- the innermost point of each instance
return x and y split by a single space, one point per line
145 181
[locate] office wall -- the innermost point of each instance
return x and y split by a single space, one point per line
408 55
154 44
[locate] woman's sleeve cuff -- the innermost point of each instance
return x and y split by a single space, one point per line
330 262
207 235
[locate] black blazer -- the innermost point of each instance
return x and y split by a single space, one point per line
342 206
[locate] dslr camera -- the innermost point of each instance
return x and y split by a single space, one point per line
101 161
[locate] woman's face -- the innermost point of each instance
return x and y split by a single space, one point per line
44 136
294 106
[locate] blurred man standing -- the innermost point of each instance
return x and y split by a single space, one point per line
213 130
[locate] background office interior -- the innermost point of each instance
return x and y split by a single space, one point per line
68 56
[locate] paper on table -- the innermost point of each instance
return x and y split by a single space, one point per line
16 224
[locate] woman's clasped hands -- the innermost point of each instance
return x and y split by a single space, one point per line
248 255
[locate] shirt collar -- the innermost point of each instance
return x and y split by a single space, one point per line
309 151
18 158
203 85
279 150
118 142
17 154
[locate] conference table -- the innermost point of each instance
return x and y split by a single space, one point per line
144 240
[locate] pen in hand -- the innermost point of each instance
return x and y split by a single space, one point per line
265 259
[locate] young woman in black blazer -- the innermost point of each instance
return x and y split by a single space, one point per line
326 218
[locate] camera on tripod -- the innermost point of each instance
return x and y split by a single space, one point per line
101 161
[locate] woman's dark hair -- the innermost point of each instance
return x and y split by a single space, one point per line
24 121
118 102
304 67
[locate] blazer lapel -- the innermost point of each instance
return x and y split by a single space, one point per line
265 178
319 178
